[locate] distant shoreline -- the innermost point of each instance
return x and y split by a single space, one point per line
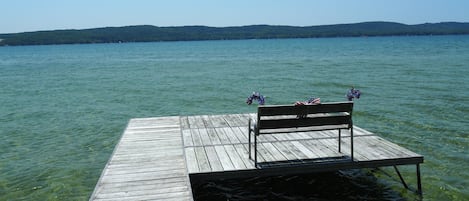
147 33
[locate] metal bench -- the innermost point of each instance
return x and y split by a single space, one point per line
272 119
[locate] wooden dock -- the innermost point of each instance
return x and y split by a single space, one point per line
156 157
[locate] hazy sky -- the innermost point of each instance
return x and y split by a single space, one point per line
34 15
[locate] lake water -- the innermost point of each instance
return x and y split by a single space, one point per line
63 108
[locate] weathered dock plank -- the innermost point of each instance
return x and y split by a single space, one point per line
224 158
215 163
212 134
192 163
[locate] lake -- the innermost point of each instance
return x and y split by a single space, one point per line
63 108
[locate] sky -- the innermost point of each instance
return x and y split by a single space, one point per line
36 15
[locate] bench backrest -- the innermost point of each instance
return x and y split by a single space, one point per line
323 116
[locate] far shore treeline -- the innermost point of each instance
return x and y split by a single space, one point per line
147 33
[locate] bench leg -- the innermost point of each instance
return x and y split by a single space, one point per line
249 138
255 150
340 138
351 142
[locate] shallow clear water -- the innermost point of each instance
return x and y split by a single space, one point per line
63 108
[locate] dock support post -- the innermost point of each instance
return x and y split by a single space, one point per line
419 182
400 177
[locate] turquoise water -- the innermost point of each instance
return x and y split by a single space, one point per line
63 108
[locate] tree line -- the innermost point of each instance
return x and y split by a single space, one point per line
147 33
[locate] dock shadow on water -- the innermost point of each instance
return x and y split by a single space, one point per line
339 185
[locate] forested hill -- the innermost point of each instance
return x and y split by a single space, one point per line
146 33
